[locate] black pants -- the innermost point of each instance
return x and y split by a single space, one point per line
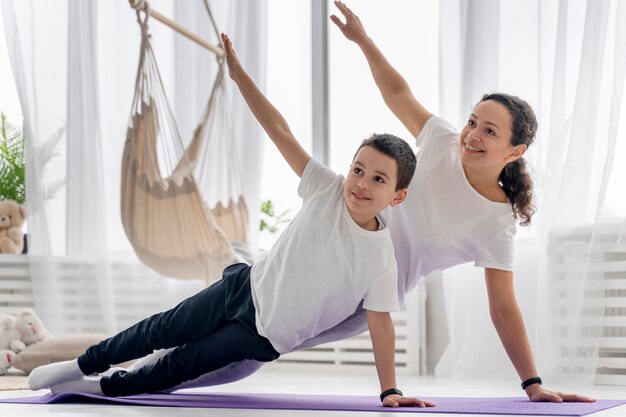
209 330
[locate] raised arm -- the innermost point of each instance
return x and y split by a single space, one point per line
509 324
393 87
270 119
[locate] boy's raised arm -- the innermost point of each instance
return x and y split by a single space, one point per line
270 119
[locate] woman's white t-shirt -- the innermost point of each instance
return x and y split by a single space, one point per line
321 267
444 221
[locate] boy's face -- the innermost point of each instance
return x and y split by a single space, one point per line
371 185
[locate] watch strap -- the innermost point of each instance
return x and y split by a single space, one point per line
389 392
530 381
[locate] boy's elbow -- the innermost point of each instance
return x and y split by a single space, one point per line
396 92
281 133
502 315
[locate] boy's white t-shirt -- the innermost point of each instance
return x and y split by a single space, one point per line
321 267
444 221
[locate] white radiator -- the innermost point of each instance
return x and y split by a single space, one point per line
139 292
570 252
136 291
15 287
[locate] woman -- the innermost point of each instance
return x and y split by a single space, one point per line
483 166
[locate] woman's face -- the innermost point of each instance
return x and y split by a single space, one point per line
486 138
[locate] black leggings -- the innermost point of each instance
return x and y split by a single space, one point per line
210 330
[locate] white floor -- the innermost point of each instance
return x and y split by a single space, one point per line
269 380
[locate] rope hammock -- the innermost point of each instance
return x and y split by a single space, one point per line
171 226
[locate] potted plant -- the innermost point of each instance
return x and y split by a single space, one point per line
13 163
270 221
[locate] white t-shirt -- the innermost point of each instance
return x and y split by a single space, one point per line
321 267
444 221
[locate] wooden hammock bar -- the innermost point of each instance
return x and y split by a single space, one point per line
141 5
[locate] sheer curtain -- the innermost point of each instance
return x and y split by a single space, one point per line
86 220
564 58
29 53
74 64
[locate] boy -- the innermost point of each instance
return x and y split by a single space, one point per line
335 253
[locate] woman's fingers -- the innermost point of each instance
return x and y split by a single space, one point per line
344 9
337 21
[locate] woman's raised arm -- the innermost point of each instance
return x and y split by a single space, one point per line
393 87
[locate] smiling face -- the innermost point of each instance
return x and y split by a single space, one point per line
371 186
486 138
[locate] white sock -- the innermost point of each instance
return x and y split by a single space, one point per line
48 375
85 384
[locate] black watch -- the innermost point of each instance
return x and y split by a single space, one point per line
389 392
530 381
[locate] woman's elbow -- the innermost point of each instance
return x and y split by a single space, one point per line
503 314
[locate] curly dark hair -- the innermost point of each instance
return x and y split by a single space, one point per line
395 148
515 179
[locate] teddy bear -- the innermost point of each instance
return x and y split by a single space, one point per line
17 332
12 217
6 358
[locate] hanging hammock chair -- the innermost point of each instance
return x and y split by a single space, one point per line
171 226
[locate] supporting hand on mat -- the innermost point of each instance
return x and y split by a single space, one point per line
382 333
394 401
538 393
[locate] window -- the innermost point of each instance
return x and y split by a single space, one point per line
289 89
356 107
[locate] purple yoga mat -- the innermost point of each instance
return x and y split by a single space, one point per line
456 405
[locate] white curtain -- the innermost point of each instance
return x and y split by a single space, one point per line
74 64
29 54
86 219
567 60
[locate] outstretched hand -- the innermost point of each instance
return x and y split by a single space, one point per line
540 394
394 401
234 66
352 29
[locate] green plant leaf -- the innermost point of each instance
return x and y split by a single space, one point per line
270 221
13 162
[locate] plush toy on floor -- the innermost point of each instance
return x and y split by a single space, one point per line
12 217
6 358
17 332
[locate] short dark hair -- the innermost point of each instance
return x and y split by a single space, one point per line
395 148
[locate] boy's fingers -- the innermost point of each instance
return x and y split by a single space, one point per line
227 43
